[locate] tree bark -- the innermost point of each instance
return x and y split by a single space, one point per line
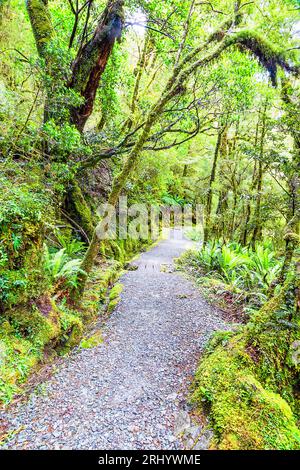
41 24
292 235
221 139
252 187
257 212
92 59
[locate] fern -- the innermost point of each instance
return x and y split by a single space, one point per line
61 268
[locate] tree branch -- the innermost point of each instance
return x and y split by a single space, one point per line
41 25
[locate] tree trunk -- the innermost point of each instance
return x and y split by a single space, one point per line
208 207
252 187
138 72
257 212
92 59
292 235
41 24
79 210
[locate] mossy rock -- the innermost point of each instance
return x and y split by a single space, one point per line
33 324
244 414
116 291
91 341
17 358
71 328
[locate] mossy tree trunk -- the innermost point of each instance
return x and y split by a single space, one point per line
91 59
220 144
139 70
80 211
259 179
292 232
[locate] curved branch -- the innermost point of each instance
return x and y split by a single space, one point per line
268 55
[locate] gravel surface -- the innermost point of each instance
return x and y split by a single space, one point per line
130 391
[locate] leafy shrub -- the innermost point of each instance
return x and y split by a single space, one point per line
172 200
241 267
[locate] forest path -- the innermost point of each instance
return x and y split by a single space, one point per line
130 391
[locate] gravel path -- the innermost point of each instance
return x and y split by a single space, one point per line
130 391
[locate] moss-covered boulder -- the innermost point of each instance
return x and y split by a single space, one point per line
247 380
244 414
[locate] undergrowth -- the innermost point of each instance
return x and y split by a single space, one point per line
40 258
247 380
240 277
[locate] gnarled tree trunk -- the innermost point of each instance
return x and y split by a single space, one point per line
92 59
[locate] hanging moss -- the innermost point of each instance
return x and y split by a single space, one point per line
269 56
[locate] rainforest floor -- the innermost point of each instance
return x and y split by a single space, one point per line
127 386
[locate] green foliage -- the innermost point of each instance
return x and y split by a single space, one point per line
72 247
172 200
61 268
244 414
250 190
241 267
91 341
22 222
63 140
249 378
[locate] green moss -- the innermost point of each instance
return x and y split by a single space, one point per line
41 23
115 291
81 210
114 297
248 378
244 414
17 357
71 328
24 210
112 304
30 323
96 289
91 341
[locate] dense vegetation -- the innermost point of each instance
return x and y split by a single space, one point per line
166 102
